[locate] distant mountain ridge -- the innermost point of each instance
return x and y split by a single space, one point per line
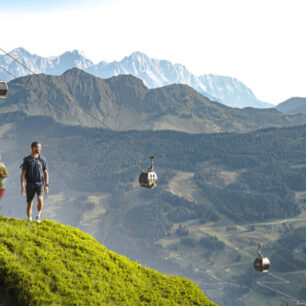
293 106
125 103
154 73
51 65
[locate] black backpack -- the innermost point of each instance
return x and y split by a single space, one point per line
27 160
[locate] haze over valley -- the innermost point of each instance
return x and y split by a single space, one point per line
224 182
202 102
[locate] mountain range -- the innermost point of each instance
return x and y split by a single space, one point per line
154 73
293 106
125 103
217 192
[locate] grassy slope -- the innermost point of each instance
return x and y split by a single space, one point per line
53 264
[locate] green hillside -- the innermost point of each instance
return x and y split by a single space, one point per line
53 264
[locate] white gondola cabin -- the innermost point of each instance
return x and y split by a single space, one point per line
148 178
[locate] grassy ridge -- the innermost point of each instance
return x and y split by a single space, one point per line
53 264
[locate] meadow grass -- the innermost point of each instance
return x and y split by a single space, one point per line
54 264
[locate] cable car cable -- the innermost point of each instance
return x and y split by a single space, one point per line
92 129
71 99
88 113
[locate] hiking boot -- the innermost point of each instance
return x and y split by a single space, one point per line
38 219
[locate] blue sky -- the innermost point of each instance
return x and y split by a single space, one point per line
261 43
43 5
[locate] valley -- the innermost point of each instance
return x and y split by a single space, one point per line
194 223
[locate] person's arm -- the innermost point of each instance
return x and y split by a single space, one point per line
46 175
22 179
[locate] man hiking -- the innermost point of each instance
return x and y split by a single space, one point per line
3 176
35 172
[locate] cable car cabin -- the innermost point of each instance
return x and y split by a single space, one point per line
3 89
261 264
148 178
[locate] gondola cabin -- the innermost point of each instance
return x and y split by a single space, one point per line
148 178
261 264
3 89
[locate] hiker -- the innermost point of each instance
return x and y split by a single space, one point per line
3 176
35 172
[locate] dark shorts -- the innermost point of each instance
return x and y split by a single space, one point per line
31 191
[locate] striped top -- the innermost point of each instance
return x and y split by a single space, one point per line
3 170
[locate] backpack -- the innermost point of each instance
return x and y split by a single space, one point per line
33 176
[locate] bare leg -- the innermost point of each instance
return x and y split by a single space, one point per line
40 203
29 209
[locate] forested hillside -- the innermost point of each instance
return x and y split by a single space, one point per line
209 185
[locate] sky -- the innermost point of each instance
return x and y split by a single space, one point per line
261 43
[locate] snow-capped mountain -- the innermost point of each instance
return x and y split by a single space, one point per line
154 73
48 65
157 73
